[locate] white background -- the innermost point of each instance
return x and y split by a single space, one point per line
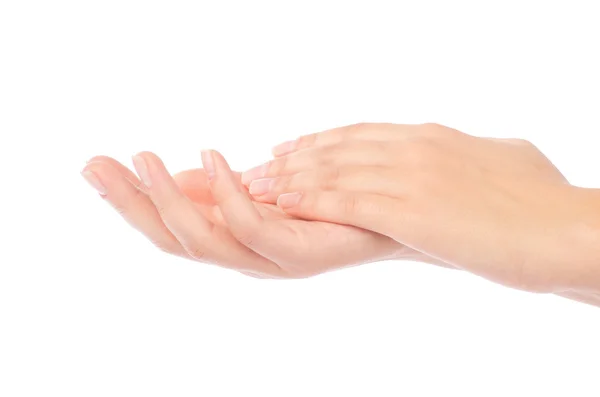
89 308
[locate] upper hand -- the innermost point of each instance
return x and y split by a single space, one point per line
496 207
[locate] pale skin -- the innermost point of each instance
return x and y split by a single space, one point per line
496 208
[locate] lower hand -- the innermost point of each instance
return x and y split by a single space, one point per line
215 221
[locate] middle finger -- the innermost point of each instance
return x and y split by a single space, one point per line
356 153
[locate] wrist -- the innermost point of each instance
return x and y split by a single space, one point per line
577 239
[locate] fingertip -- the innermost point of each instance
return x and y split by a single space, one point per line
259 187
99 158
139 159
101 175
140 164
99 168
221 167
223 181
208 163
146 155
220 160
94 181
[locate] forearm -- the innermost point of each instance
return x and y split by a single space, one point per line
567 256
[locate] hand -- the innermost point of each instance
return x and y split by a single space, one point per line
216 222
495 207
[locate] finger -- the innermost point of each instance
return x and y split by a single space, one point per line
388 216
367 153
177 212
200 238
129 201
349 179
194 184
366 211
244 221
229 196
124 171
360 131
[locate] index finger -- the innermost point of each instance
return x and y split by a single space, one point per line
360 131
267 238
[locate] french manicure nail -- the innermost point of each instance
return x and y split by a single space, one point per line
208 163
285 148
289 200
254 173
94 182
258 187
142 170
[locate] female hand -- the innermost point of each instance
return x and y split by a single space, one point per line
495 207
216 222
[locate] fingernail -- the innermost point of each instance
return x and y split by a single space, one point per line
207 162
94 182
288 200
142 170
254 173
285 148
259 187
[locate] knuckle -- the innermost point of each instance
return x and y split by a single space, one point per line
326 156
279 185
432 127
331 178
167 207
293 183
248 236
197 253
276 166
166 204
358 130
438 130
140 189
282 185
121 210
350 205
306 141
332 155
358 127
521 142
163 210
139 193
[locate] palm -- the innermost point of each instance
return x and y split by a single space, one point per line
315 245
